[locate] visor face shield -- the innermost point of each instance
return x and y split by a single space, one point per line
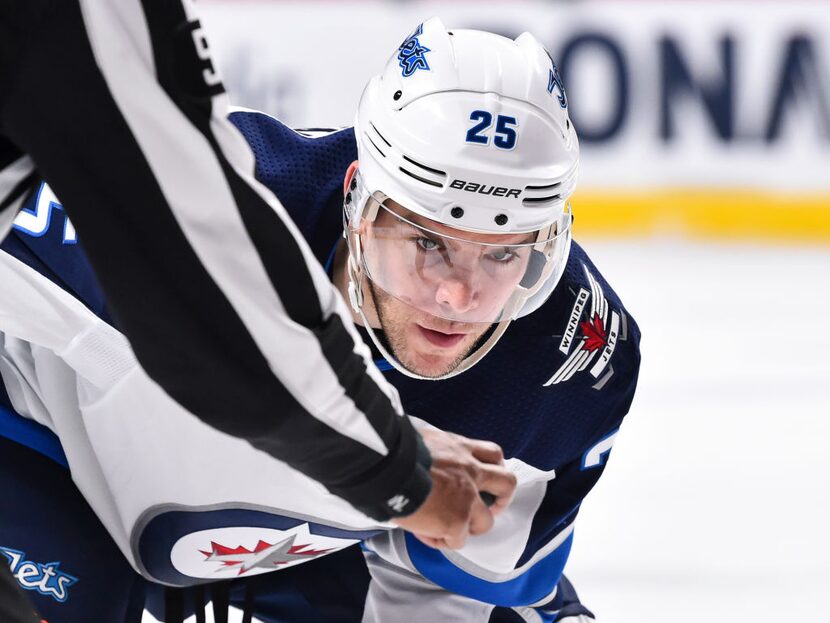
452 274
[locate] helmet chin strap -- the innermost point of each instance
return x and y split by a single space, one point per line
356 299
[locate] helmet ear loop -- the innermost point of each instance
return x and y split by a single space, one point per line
354 269
358 276
356 273
545 240
355 264
351 232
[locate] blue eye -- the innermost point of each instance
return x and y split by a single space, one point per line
426 244
503 256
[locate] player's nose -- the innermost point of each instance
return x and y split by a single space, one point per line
459 293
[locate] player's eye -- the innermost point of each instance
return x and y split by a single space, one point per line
426 244
503 256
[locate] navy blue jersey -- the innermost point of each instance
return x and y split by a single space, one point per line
553 392
307 175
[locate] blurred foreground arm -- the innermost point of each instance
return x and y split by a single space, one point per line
221 298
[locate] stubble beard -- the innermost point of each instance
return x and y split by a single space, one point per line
394 327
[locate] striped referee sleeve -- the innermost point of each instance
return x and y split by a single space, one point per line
220 296
17 179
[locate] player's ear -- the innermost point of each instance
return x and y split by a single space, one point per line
349 175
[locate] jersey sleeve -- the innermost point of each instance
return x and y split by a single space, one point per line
206 274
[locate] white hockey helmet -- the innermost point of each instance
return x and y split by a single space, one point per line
469 130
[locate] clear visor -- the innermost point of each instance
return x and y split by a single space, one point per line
453 274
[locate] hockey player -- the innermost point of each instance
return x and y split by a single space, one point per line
119 106
458 263
457 228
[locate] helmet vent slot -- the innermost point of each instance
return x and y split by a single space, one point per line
544 194
388 144
532 201
420 179
380 151
425 167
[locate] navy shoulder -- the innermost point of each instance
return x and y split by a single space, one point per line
44 239
586 347
305 170
587 327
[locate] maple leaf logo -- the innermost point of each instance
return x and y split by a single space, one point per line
263 556
595 336
595 340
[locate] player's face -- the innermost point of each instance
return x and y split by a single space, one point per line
458 281
425 344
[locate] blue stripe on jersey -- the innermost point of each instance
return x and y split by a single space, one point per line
530 587
31 434
330 259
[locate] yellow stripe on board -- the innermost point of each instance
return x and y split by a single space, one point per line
714 213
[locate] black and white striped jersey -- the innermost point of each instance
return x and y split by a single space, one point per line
118 105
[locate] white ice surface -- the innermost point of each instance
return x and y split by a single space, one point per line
716 502
715 506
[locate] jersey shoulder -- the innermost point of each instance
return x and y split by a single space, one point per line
304 169
590 333
44 239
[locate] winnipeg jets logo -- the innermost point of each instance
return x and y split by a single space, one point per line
555 83
46 579
228 552
597 339
595 336
263 556
412 55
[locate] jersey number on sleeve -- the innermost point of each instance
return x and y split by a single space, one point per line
36 223
598 453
